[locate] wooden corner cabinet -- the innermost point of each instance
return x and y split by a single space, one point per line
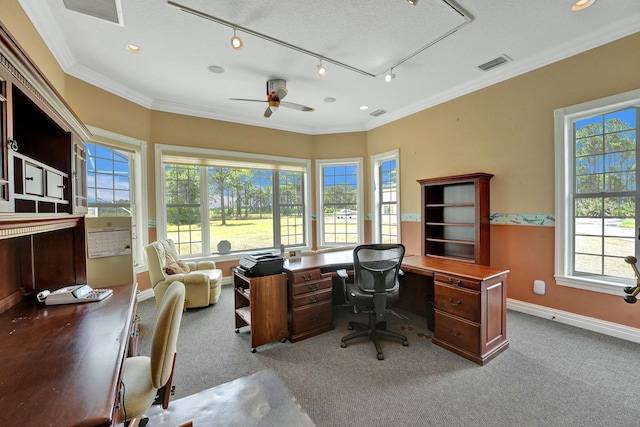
455 217
261 304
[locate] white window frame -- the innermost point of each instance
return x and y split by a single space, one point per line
138 181
187 152
376 164
320 165
564 119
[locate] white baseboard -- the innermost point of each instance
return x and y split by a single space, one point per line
148 293
592 324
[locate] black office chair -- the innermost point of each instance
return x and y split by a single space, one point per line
375 288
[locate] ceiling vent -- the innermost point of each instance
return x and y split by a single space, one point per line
377 113
108 10
500 60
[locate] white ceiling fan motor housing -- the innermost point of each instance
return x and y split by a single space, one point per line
275 84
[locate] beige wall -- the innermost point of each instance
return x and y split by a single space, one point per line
505 129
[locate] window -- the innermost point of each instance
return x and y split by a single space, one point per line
597 194
224 202
115 169
340 219
386 223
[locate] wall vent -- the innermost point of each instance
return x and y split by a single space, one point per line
108 10
377 113
500 60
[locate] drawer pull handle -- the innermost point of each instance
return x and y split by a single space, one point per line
455 304
314 318
29 178
454 333
313 288
313 300
456 282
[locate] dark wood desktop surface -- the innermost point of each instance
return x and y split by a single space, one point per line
60 365
414 263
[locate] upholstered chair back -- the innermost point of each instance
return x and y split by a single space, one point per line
159 255
165 334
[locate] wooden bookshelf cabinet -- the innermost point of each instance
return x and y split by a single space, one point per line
43 192
455 217
261 304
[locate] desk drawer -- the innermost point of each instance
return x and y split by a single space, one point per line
457 301
311 298
456 281
310 316
458 332
311 286
307 275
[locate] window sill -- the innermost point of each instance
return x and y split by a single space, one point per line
594 285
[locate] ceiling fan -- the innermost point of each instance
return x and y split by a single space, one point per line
276 91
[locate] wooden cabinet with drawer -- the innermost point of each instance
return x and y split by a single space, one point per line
470 315
310 304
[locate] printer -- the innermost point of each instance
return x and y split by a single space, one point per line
261 264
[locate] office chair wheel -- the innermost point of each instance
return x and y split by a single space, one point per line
253 350
380 356
237 330
343 344
630 299
629 289
283 340
405 343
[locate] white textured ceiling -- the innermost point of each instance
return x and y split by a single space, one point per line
438 45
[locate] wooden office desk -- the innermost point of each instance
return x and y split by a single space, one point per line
60 365
468 300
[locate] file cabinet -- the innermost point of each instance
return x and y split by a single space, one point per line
470 315
310 303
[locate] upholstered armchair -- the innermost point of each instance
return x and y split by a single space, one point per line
202 281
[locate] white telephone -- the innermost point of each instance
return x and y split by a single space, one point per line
73 294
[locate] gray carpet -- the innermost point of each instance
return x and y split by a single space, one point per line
551 375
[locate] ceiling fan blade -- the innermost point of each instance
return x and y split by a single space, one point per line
281 93
243 99
268 112
296 106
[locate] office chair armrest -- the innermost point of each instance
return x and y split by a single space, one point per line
400 273
343 274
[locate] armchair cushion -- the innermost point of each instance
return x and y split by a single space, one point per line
179 267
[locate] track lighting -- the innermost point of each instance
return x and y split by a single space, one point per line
236 42
389 76
412 2
321 70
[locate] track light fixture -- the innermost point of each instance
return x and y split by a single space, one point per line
321 70
236 42
389 76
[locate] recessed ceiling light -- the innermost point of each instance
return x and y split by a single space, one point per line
330 99
216 69
364 107
582 4
132 48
